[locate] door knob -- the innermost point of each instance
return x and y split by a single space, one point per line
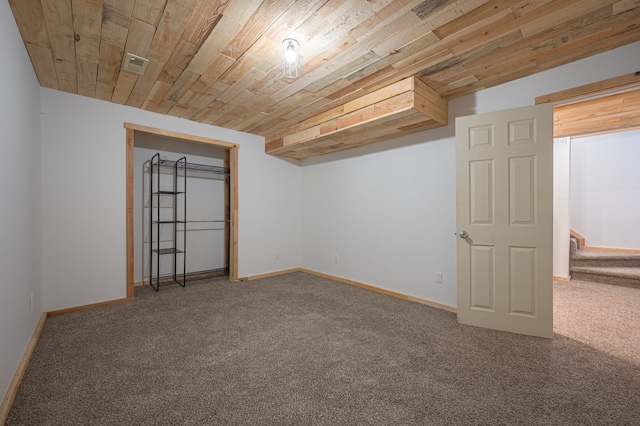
463 234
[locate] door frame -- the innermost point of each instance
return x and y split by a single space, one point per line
572 100
232 163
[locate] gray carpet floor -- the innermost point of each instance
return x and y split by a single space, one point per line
303 350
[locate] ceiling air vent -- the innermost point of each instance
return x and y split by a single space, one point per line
135 64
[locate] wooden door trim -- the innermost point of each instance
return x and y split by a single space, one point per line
178 135
129 210
599 88
232 148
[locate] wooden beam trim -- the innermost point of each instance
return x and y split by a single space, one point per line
129 211
599 88
579 237
431 110
612 249
391 106
559 278
233 253
606 114
376 110
178 135
402 86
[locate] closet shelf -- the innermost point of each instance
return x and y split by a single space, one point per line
168 192
167 251
194 166
190 221
168 221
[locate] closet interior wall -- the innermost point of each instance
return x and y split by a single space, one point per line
206 241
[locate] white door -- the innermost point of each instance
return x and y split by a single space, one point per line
504 198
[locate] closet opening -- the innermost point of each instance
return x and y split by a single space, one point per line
210 229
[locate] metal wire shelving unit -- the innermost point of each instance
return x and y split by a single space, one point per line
181 171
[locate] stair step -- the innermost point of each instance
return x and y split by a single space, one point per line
625 276
598 254
604 258
574 242
596 262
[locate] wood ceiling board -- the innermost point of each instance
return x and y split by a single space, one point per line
123 88
170 28
149 11
209 50
109 65
58 19
87 24
348 48
42 58
624 5
203 20
116 17
260 21
145 84
368 119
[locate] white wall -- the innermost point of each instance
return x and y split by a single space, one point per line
270 218
83 203
605 189
388 209
20 240
561 194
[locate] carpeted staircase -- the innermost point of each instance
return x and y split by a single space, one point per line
604 266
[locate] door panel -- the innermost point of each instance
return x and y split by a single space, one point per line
481 192
482 277
504 203
522 192
522 278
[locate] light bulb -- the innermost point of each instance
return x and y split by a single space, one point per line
290 55
290 62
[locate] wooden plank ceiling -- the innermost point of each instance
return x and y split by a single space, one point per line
218 61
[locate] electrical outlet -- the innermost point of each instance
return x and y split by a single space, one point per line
277 254
336 258
438 277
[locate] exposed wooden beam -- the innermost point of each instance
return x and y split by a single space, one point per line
401 108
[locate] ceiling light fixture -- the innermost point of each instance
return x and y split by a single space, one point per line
290 62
